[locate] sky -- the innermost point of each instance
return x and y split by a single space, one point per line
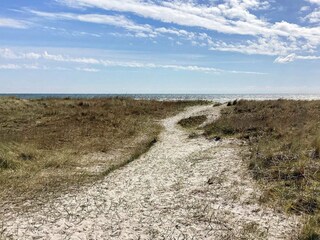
154 46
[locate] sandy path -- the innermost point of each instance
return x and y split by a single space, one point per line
181 189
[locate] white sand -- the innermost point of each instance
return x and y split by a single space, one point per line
163 195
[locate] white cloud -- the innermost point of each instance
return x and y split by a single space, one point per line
188 14
9 54
63 31
314 1
61 58
314 16
93 70
304 8
229 17
19 66
292 57
308 57
9 66
140 31
13 23
114 20
285 59
264 46
232 17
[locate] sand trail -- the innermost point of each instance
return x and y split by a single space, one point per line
181 189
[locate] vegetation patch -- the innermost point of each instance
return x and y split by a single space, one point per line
43 142
283 138
192 122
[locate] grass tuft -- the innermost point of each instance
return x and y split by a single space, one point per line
316 148
192 122
4 164
311 229
138 152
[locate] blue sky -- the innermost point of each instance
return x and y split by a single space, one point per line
153 46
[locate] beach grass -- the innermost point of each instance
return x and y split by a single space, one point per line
284 142
48 145
192 122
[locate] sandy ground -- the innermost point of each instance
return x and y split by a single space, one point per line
181 189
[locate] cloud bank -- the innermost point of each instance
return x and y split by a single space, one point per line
13 23
84 62
197 23
231 17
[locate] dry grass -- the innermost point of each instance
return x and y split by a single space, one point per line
192 122
284 141
43 143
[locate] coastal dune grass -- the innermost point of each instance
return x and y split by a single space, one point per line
43 142
284 143
192 122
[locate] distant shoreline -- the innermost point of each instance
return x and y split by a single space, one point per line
173 97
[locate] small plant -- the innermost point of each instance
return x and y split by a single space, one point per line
4 164
311 229
83 104
216 138
193 135
304 204
26 156
316 148
192 122
232 103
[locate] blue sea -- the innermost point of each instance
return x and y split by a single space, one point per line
164 97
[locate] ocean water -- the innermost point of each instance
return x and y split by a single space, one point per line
163 97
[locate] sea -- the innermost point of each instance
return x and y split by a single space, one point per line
175 97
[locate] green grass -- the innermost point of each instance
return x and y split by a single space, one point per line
44 143
284 142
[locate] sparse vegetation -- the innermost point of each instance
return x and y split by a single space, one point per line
217 104
232 103
284 142
44 143
192 122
